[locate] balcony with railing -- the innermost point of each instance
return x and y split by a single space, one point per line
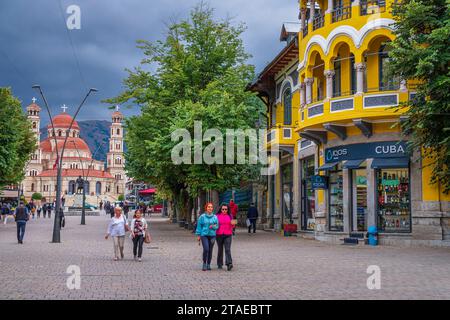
341 13
319 21
372 7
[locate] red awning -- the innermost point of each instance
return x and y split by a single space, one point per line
147 191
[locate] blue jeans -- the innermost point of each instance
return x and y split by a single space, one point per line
208 245
20 229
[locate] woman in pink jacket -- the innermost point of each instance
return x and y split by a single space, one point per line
224 235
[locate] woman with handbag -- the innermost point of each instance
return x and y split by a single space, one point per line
117 228
224 235
139 233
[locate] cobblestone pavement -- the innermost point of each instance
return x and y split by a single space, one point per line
266 266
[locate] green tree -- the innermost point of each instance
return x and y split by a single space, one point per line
421 51
121 197
200 75
36 196
17 142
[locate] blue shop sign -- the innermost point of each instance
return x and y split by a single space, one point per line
385 149
319 182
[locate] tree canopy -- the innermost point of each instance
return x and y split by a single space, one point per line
200 74
421 51
17 142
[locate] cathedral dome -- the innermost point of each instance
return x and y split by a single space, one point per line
63 120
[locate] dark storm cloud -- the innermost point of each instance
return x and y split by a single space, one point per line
35 48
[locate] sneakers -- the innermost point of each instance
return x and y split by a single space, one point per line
208 267
204 268
139 259
115 258
219 267
229 267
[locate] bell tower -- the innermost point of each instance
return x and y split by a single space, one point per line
33 115
115 156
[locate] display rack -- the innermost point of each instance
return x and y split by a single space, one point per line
336 201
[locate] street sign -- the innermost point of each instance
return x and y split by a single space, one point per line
319 182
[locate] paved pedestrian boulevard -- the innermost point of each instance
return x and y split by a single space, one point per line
266 266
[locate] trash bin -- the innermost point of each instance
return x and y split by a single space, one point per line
372 234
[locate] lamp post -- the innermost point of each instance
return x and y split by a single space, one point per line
56 226
85 177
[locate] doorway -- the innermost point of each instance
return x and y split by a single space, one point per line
359 199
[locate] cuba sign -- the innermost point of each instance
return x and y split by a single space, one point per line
384 149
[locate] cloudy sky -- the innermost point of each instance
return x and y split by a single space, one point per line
35 46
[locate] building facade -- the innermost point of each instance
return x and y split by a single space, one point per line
350 165
100 183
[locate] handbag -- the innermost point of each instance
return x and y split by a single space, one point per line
127 228
247 222
147 238
63 222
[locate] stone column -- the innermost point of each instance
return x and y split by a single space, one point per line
309 82
371 195
312 11
303 17
360 68
403 87
329 74
302 94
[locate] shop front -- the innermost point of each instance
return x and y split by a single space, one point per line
369 184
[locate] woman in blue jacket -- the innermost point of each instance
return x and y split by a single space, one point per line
207 225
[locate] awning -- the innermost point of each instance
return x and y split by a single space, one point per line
353 164
147 191
388 163
328 166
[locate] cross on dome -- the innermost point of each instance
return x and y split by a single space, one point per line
34 100
64 108
117 107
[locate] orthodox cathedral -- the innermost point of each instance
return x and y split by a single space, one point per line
101 183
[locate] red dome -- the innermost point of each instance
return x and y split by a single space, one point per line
80 144
63 120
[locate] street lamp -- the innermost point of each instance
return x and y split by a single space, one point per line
85 177
56 226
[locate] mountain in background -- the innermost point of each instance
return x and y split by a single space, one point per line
94 132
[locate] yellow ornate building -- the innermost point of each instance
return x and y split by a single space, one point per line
344 164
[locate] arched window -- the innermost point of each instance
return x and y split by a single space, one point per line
287 104
98 188
352 74
117 189
74 134
118 131
71 187
34 125
337 77
32 187
86 186
384 82
59 133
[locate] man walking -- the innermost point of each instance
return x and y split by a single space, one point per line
49 210
44 210
252 215
22 216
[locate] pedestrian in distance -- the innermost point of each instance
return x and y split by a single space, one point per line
252 215
39 209
234 209
207 225
101 205
117 229
138 230
126 209
62 218
5 212
112 210
21 216
224 236
49 210
8 214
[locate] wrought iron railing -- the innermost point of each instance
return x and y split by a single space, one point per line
372 6
318 21
305 29
341 13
